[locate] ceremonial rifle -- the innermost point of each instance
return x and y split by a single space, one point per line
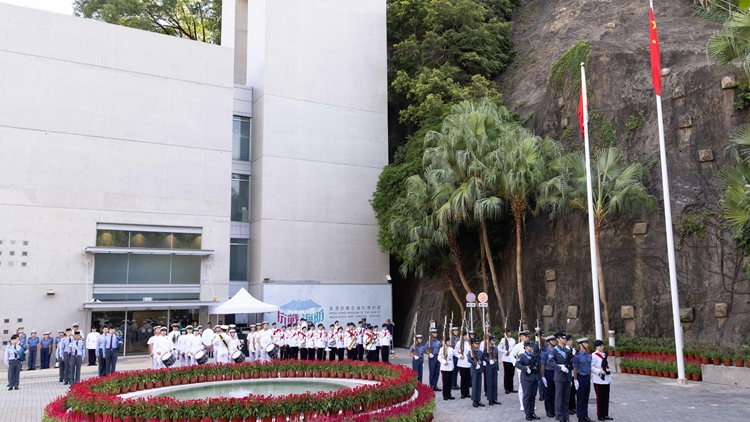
445 345
505 334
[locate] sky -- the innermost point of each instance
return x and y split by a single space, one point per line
59 6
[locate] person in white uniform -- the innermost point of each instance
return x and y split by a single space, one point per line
208 338
194 344
234 343
265 337
221 345
293 342
507 343
151 342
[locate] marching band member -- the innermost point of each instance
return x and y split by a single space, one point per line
293 342
360 338
311 342
173 337
350 340
302 341
331 343
234 342
250 342
370 344
179 348
265 337
385 339
193 346
376 355
151 345
221 345
340 343
162 345
321 342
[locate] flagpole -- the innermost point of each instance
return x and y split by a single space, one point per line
670 244
590 200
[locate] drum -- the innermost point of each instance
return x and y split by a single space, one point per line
201 357
168 359
273 351
238 356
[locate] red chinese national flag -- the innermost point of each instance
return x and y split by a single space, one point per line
583 115
655 61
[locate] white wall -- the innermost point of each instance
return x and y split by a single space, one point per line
101 123
319 77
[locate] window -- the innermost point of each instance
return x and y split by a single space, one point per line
24 254
238 260
240 197
146 269
147 239
241 139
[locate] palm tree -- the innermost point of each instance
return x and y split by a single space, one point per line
616 190
521 166
736 182
426 253
732 42
461 148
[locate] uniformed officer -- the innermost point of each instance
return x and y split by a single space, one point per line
59 348
112 344
76 349
518 349
461 351
33 345
540 340
602 380
433 366
560 362
476 357
66 355
91 341
528 364
492 368
101 353
416 351
21 336
573 352
13 362
46 349
445 358
582 379
507 343
548 378
455 338
60 336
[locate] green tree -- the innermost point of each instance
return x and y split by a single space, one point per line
194 19
523 166
616 190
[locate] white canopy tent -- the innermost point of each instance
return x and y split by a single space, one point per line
242 303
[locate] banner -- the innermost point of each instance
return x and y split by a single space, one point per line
326 303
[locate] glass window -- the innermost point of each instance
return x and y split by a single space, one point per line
241 139
238 260
240 197
150 240
186 241
141 328
149 269
186 269
111 269
112 238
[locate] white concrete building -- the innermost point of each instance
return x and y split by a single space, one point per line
125 178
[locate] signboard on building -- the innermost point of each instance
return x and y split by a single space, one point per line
326 303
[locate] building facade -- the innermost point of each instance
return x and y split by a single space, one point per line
146 178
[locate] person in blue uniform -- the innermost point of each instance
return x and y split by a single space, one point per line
45 350
21 336
540 339
417 355
455 338
582 379
558 361
492 369
33 344
101 353
433 366
13 362
528 364
476 358
59 347
112 343
65 353
77 349
548 378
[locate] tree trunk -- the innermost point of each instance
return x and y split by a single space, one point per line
452 286
602 294
484 282
491 261
519 279
456 256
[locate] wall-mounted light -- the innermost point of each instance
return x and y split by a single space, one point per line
50 292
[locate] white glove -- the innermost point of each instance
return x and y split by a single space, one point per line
564 369
479 366
544 381
528 370
576 384
492 362
416 357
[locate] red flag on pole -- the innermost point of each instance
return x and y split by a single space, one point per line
583 115
655 55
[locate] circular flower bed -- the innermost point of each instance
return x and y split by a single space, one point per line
391 399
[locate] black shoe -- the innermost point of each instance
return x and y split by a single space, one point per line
607 418
437 389
513 391
445 398
475 404
507 391
491 402
463 397
15 388
550 415
10 388
451 398
529 418
587 419
455 388
534 416
480 404
65 383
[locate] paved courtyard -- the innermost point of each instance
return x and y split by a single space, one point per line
634 398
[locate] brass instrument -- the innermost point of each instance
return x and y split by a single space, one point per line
303 341
369 341
353 342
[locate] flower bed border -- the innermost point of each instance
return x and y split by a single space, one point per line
97 399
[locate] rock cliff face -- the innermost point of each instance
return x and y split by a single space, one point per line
698 117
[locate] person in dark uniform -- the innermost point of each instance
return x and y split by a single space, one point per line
77 350
558 361
528 364
46 349
433 366
455 338
548 378
101 353
416 351
112 344
476 358
33 344
492 369
65 352
582 379
573 351
13 362
540 385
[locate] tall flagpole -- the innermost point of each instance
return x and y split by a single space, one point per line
590 200
670 244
